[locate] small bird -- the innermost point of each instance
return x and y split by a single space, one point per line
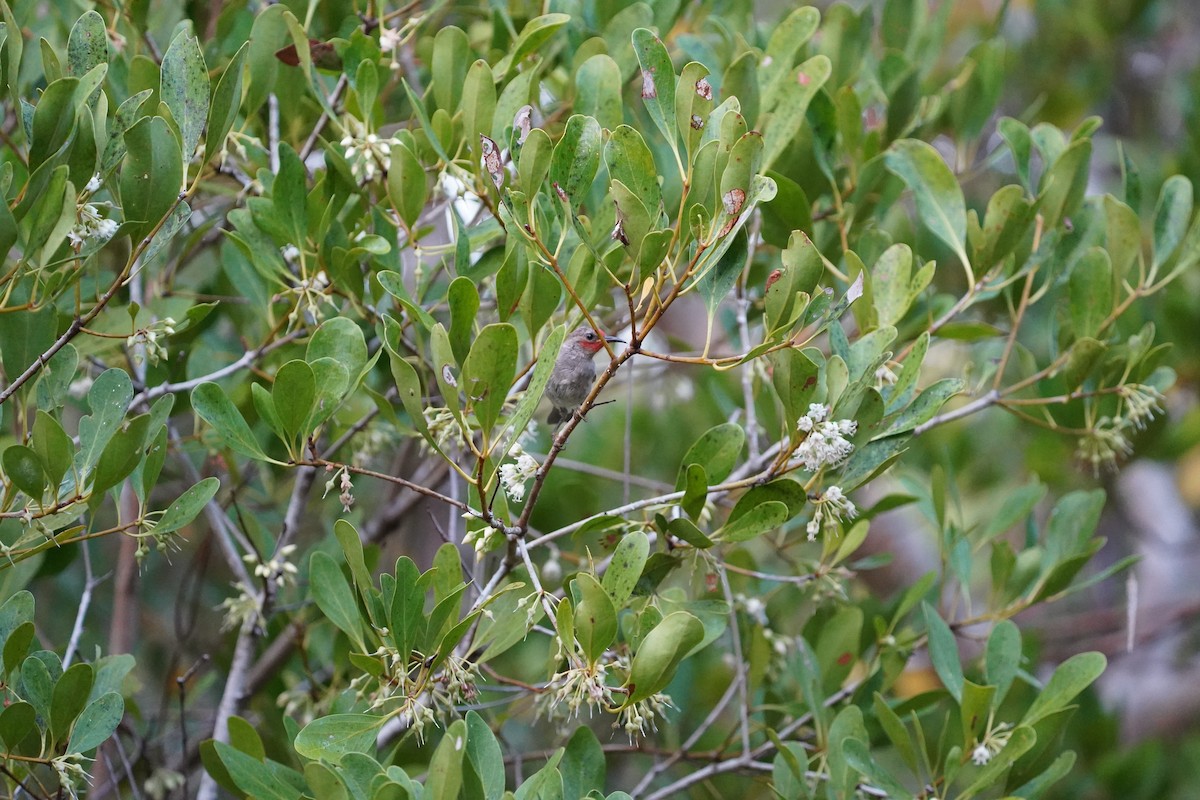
574 373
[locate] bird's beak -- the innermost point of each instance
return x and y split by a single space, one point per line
611 339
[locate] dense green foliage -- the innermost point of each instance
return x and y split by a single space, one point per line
239 268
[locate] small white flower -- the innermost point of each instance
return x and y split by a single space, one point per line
389 39
93 185
514 475
826 443
829 510
981 755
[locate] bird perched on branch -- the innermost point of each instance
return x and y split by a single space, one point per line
574 373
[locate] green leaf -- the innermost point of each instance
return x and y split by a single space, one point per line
226 103
288 192
598 92
1017 506
406 617
1091 292
254 777
533 36
69 698
52 216
685 529
185 507
97 723
406 184
695 490
1021 739
463 299
659 654
185 89
16 722
24 469
763 518
508 626
1069 679
485 757
332 383
595 617
127 114
575 160
1003 658
527 405
924 407
341 339
582 766
798 89
292 393
334 597
151 175
895 287
1058 769
122 453
1171 217
859 758
693 104
786 40
893 726
658 83
488 372
331 737
629 161
451 56
717 450
478 104
53 120
976 710
939 198
87 46
16 647
943 652
716 283
625 567
445 766
209 401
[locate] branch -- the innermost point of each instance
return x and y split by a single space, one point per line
246 360
85 602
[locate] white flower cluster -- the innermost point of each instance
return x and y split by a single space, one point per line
310 292
1107 441
993 742
828 511
1142 404
144 344
71 774
346 495
633 718
442 426
276 568
390 40
90 224
368 154
573 688
514 474
240 610
826 444
482 539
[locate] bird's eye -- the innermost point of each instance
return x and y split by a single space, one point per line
591 337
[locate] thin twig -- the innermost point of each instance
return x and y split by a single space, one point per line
739 666
85 602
